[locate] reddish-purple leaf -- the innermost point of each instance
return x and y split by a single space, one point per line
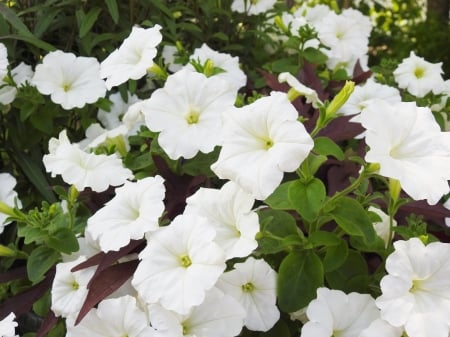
49 322
16 273
105 283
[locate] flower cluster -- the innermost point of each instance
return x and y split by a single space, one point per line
203 203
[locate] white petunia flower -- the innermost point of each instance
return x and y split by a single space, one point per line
382 228
8 326
20 75
133 211
82 169
363 93
313 15
133 58
113 317
134 118
229 212
379 328
3 61
334 313
301 89
188 113
168 55
70 81
219 315
69 289
180 263
232 72
419 77
112 119
253 284
416 290
252 7
447 205
409 146
261 141
7 196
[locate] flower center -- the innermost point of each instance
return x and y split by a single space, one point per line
66 87
75 285
416 286
268 143
185 328
254 2
185 261
248 287
192 117
419 72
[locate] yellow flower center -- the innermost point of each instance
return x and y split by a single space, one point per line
192 117
185 261
268 143
75 285
419 72
66 87
248 287
416 286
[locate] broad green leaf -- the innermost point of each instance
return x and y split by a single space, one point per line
113 10
63 240
31 234
40 261
201 163
323 238
88 21
279 198
314 55
352 275
353 219
335 256
325 146
307 197
299 276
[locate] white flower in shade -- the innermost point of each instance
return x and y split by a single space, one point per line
301 89
382 228
3 61
334 313
69 289
133 58
232 72
447 205
365 92
313 15
134 118
8 326
112 119
97 136
219 315
253 284
409 146
379 328
419 77
180 263
113 317
82 169
229 212
347 36
70 81
133 211
416 290
20 75
188 113
252 7
7 196
261 141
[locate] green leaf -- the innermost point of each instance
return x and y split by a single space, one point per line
335 256
279 198
299 276
322 238
307 197
87 22
31 234
40 261
31 40
280 329
353 219
352 275
113 10
63 240
314 55
325 146
201 163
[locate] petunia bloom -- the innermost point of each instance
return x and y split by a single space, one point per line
20 75
82 169
252 7
188 113
407 143
70 81
229 212
416 290
133 58
334 313
180 263
418 76
8 326
261 141
7 196
133 211
253 284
